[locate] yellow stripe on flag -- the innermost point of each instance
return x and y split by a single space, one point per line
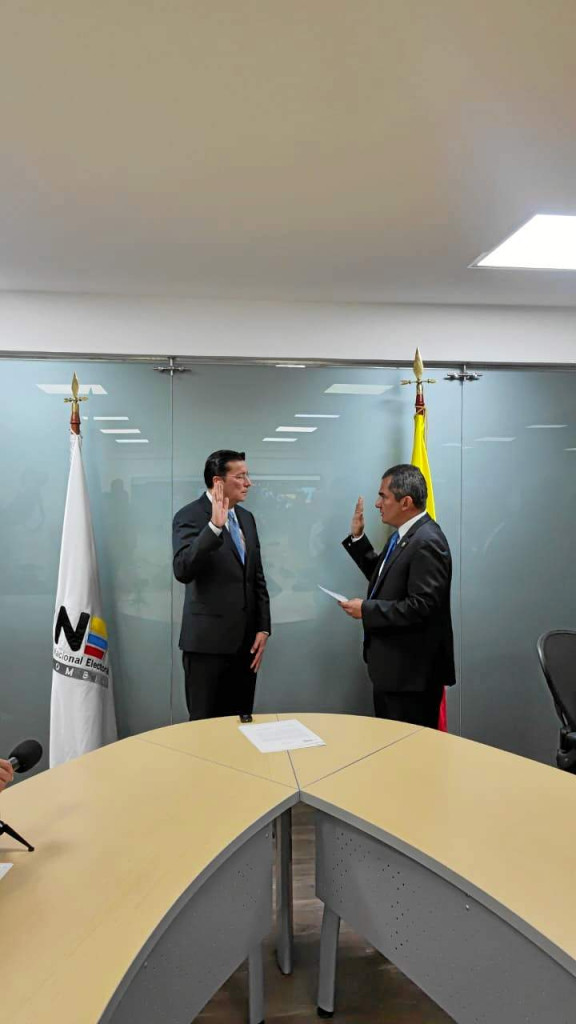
420 459
98 626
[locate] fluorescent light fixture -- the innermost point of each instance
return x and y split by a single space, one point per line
478 439
546 426
102 418
316 415
280 440
119 430
290 366
64 389
296 430
358 389
570 449
546 242
131 440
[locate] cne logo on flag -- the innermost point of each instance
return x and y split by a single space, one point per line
81 650
97 640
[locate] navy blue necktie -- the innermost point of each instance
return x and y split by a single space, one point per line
392 544
236 534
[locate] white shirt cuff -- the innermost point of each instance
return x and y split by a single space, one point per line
354 539
215 529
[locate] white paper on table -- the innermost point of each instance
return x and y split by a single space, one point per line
4 869
337 597
270 737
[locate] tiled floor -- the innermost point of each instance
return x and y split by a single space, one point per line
372 990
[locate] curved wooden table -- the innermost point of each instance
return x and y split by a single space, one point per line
151 879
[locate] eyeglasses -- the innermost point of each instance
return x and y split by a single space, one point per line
241 476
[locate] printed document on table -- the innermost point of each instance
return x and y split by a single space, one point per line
337 597
4 869
270 737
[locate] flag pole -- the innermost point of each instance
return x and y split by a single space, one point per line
82 714
420 459
75 410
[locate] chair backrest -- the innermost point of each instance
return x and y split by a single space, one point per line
557 654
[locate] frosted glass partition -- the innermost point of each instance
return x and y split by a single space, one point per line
130 492
303 497
503 457
518 557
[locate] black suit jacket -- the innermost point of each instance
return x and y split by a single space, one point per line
408 640
223 597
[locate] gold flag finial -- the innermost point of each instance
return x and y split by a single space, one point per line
75 411
418 367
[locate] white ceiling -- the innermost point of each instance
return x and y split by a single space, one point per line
348 150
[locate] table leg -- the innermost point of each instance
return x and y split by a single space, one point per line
256 986
328 954
284 906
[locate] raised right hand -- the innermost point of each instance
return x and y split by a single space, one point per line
219 505
357 526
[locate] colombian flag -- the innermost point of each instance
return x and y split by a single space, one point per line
97 640
420 459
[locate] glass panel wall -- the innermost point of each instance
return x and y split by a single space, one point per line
518 559
305 486
130 494
501 452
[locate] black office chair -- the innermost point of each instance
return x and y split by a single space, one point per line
557 654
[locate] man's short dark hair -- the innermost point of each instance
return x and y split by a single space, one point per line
407 481
217 464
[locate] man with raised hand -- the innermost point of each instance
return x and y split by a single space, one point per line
408 641
226 616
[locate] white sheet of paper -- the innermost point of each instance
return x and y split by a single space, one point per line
270 737
4 869
337 597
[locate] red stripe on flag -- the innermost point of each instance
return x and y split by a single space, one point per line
94 652
443 716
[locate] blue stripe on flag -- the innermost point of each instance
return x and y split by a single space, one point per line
97 641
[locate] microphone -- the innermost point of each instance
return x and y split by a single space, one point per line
25 755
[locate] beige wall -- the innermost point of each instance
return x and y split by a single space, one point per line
54 323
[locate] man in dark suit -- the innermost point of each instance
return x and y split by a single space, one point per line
226 617
408 641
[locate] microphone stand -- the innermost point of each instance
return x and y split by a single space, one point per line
14 835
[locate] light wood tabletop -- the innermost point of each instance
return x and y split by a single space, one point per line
120 835
504 824
123 833
348 738
220 741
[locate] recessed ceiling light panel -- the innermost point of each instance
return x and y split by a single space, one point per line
358 389
296 430
546 242
65 389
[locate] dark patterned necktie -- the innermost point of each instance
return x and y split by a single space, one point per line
236 534
393 542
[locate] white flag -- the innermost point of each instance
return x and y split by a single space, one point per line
82 715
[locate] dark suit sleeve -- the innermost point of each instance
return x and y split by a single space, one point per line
263 622
193 541
428 584
363 554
